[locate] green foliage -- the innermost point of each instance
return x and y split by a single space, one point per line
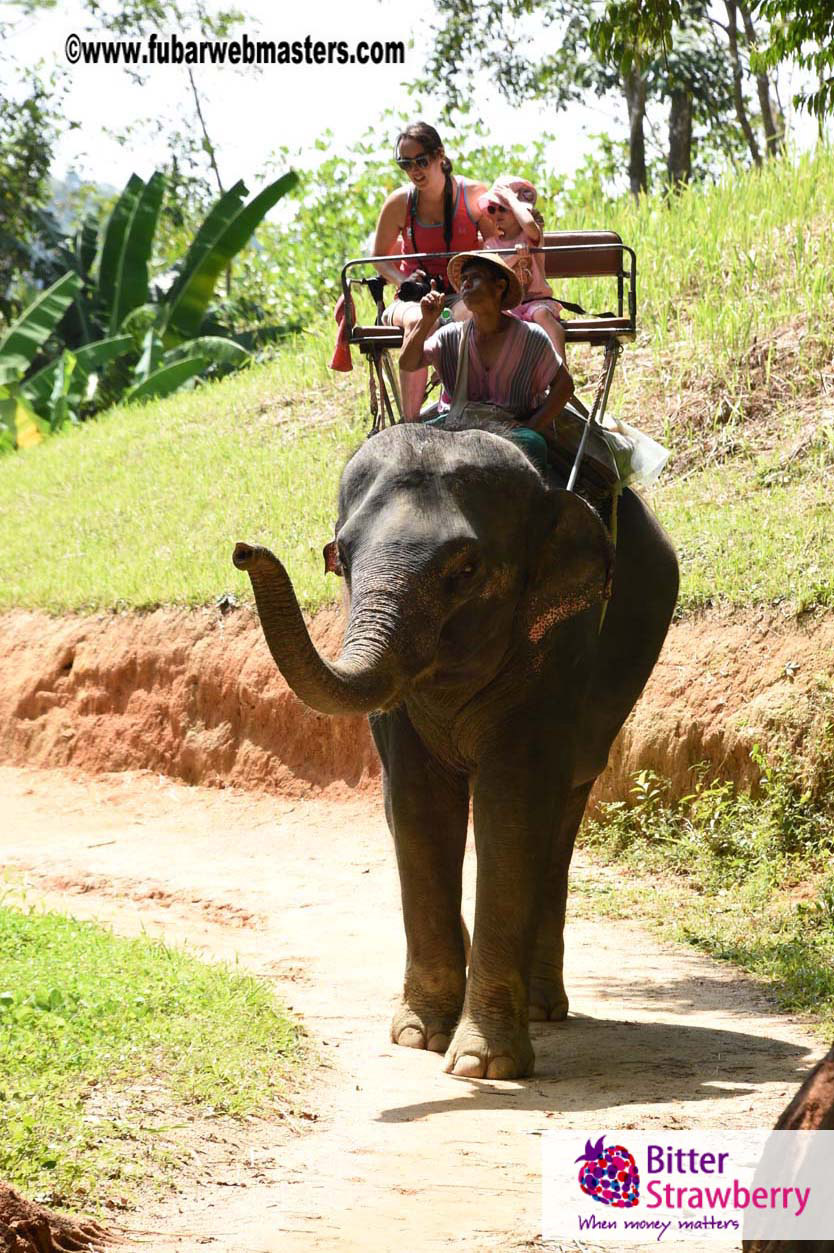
115 314
28 132
804 30
716 832
225 231
557 52
88 1022
745 877
723 271
19 424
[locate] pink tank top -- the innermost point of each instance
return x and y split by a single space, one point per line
431 239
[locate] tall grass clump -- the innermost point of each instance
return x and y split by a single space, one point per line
744 876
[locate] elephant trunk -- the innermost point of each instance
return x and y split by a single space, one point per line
359 682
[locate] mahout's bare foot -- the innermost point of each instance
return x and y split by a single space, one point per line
481 1052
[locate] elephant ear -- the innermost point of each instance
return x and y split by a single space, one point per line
575 566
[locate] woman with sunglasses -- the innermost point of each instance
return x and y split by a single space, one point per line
437 212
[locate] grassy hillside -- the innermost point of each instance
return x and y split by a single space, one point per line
733 370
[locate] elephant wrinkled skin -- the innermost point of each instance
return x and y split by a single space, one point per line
473 642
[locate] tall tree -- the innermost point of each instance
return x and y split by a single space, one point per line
558 50
802 30
774 132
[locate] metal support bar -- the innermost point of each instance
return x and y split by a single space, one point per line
613 350
384 412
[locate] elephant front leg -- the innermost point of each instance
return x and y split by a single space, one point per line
515 802
427 809
548 999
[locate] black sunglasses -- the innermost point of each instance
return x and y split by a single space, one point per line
423 161
493 208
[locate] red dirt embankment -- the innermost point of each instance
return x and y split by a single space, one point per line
194 694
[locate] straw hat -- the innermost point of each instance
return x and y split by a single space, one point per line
512 296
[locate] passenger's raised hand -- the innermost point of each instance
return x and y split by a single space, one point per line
431 305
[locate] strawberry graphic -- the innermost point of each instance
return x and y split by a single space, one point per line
609 1175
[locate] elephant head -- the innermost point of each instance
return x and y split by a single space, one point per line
451 548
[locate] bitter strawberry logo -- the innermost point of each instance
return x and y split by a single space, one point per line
610 1175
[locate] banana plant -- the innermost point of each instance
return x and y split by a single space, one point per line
20 425
159 373
227 228
126 248
117 314
39 388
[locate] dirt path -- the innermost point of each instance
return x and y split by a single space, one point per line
400 1155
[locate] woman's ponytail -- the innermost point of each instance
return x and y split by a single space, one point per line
448 204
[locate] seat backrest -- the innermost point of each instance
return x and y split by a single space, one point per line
577 260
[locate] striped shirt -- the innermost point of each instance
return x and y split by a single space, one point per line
518 381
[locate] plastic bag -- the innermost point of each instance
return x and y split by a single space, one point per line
638 457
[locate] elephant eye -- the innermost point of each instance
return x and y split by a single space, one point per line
459 578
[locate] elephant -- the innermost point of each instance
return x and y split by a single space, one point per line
812 1109
476 644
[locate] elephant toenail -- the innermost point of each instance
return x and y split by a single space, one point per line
411 1038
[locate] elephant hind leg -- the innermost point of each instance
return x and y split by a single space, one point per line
548 999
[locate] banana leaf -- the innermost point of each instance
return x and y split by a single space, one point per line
214 349
115 231
131 284
139 321
188 307
221 213
59 407
151 358
20 426
85 244
166 380
38 388
34 326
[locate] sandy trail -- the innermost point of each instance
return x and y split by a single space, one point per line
400 1155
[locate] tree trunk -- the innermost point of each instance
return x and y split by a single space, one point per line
738 95
680 137
774 137
635 91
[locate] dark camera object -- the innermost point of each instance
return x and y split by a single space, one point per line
417 286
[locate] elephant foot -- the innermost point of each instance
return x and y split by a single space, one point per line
478 1053
548 1000
423 1028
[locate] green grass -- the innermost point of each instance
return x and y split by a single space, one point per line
721 267
143 507
758 530
90 1024
731 369
747 879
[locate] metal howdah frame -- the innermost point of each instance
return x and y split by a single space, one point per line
376 339
626 278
